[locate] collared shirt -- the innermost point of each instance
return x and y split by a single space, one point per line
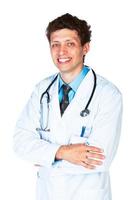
74 84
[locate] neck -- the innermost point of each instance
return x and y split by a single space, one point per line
68 77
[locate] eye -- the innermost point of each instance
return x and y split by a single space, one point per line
54 45
70 44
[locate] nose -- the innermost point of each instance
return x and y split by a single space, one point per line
62 49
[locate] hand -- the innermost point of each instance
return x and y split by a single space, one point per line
81 154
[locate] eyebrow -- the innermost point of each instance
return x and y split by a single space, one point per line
68 40
54 41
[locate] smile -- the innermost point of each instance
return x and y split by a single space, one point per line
63 60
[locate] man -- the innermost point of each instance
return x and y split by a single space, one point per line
71 124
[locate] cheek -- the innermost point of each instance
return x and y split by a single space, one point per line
79 54
53 58
53 54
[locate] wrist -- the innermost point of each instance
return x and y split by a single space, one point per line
60 152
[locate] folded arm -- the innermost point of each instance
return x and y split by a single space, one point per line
104 137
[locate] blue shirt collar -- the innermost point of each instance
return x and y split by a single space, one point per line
76 82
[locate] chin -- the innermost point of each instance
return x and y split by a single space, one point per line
63 68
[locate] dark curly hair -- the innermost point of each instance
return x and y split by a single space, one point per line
73 23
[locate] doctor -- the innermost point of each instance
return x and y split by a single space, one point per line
71 125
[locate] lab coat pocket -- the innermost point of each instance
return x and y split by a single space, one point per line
77 139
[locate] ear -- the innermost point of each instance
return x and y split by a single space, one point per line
86 48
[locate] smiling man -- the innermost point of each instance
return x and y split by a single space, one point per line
67 52
70 127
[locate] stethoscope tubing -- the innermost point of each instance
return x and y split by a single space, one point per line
84 112
46 91
94 87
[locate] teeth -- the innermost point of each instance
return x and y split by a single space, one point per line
63 60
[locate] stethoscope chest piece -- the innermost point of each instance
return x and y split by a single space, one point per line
84 112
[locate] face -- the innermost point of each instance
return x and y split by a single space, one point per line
66 51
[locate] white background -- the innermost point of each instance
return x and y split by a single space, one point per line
25 60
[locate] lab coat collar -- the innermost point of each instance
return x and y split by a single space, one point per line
58 123
80 100
77 81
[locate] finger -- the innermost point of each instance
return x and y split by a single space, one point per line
95 155
93 162
94 149
86 165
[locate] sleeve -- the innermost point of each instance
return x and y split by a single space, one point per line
27 143
107 125
105 131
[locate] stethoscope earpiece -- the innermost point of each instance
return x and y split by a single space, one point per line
84 112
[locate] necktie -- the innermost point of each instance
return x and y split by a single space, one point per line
65 100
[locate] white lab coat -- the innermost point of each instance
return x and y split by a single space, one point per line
62 180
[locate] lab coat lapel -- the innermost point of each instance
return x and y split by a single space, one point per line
63 127
54 105
81 97
71 118
57 124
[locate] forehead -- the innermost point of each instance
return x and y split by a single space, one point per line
64 35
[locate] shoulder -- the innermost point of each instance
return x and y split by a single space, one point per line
42 85
109 94
107 87
104 86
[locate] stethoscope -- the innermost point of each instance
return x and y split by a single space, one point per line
85 112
